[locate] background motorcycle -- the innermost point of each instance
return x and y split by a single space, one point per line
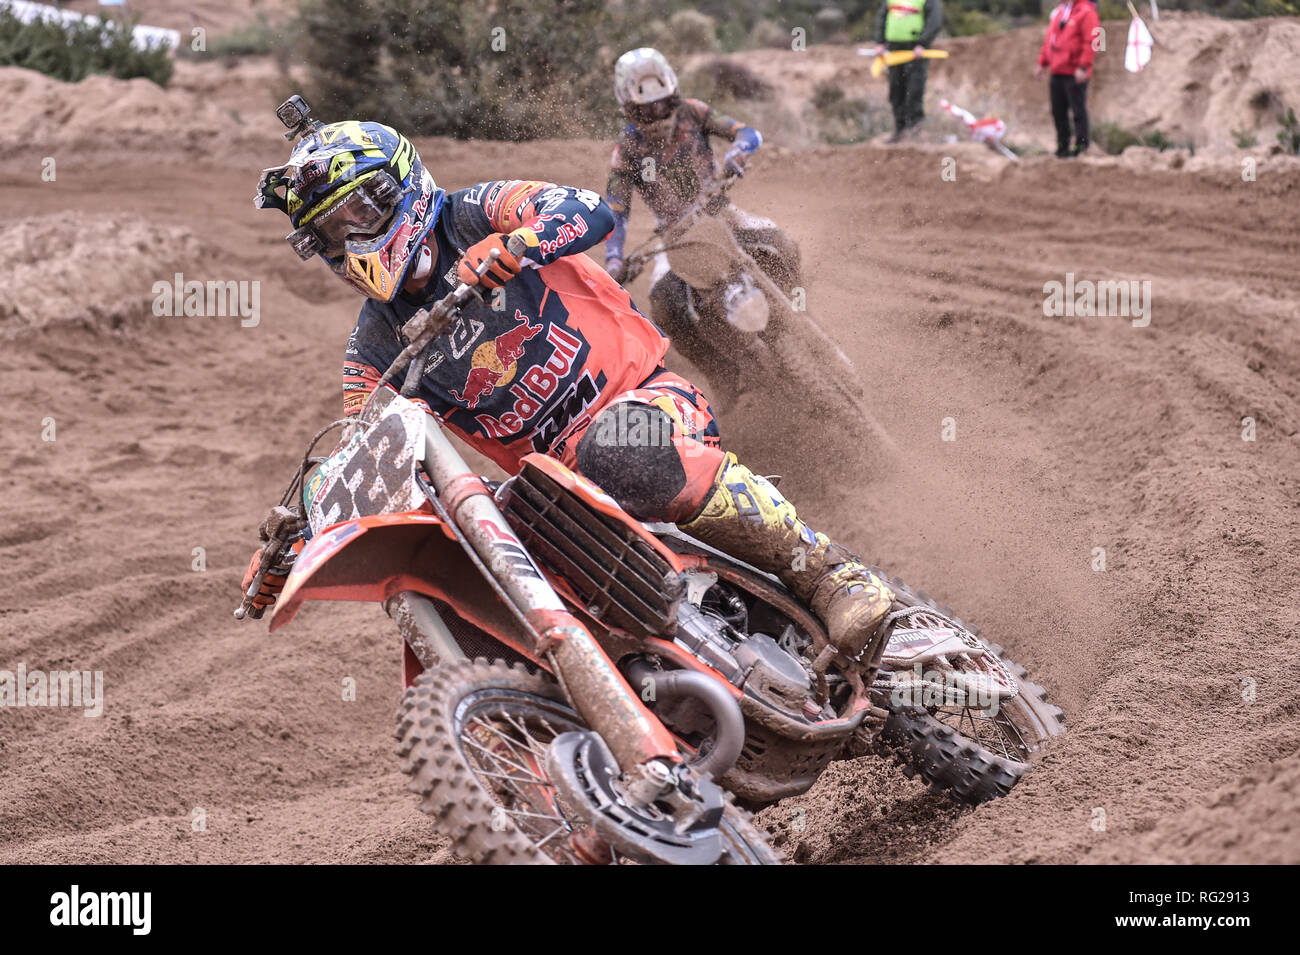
744 319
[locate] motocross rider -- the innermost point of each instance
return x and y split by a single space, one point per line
555 359
665 154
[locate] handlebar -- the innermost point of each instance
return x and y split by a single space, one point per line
281 526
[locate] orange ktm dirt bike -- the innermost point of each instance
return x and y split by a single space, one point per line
584 688
742 319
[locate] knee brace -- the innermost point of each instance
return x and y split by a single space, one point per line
628 451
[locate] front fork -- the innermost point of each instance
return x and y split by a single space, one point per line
637 739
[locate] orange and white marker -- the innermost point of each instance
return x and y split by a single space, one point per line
988 130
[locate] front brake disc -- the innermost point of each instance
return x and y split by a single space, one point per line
586 778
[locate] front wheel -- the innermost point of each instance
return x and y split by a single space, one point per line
474 738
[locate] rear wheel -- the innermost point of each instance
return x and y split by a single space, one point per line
474 738
971 754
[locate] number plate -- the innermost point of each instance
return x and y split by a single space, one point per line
374 474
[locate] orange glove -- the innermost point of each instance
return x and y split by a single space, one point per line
499 273
272 583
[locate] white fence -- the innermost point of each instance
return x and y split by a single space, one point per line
142 37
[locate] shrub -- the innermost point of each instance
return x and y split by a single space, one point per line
74 50
826 94
259 38
1112 138
971 23
1289 134
769 33
830 25
1244 138
428 67
1157 140
841 119
1112 10
726 79
690 31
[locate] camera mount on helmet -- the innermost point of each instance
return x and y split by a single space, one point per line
295 114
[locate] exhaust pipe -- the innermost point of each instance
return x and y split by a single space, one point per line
722 706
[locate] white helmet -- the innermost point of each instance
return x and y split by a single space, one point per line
643 76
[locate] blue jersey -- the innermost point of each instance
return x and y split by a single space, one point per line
530 365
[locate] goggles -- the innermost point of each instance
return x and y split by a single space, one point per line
362 211
653 112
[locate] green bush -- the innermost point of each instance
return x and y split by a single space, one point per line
690 31
1243 9
72 51
826 95
842 120
1157 140
830 25
437 67
1113 139
725 79
1244 138
1112 10
1289 134
769 33
971 23
258 38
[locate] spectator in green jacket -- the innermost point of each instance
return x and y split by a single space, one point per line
907 25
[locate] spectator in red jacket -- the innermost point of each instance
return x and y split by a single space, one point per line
1067 54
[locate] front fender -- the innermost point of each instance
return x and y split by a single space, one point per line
373 558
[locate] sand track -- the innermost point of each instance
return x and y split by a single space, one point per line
1073 433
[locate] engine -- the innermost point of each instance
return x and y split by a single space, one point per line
786 747
754 662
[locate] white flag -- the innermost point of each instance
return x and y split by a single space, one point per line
1137 52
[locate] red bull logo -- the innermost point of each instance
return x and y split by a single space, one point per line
494 363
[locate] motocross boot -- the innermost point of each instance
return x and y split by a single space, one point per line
746 517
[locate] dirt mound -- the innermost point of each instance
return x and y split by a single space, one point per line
98 269
1207 78
101 119
247 90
